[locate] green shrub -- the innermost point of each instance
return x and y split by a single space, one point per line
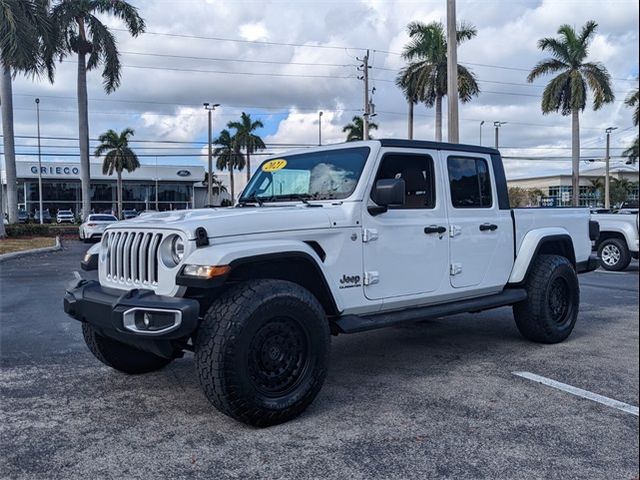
28 230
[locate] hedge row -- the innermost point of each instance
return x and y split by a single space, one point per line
37 230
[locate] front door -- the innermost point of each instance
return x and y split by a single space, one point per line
406 248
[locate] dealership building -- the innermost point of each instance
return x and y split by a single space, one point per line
150 187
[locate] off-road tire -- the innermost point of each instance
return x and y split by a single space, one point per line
248 335
120 356
614 254
549 313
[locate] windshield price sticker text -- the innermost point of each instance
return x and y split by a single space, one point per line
274 165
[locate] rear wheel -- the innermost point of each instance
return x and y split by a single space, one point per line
120 356
614 254
549 313
262 351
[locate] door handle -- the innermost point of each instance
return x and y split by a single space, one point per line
488 226
435 229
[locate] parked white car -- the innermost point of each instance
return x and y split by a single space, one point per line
65 216
618 242
94 226
330 240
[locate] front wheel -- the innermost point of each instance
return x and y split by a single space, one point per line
614 254
549 313
120 356
262 351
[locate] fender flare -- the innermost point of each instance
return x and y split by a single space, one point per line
242 253
530 246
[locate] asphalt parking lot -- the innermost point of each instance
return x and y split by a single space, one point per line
434 399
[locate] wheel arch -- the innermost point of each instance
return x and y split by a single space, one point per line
552 242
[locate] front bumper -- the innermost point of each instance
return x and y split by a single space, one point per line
113 315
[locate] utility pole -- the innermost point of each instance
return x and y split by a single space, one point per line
365 77
210 108
39 161
607 176
452 73
498 125
320 128
481 123
157 209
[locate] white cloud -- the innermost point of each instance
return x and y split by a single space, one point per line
254 31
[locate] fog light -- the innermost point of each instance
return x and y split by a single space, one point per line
151 321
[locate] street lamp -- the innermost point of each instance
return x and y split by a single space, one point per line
607 180
210 108
481 123
498 125
320 128
39 161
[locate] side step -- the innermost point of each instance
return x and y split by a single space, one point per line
357 323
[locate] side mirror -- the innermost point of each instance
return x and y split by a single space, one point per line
387 192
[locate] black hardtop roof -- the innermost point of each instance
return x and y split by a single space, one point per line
457 147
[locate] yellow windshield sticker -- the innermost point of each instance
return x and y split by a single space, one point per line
274 165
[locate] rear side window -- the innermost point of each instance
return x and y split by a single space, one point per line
102 218
417 173
469 182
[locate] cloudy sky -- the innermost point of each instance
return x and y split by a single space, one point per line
285 60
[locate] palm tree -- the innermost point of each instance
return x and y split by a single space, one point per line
246 139
80 32
407 80
633 100
427 52
355 129
119 157
228 157
25 30
567 92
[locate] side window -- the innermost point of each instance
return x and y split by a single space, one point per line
469 182
417 173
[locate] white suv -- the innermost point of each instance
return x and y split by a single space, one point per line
331 240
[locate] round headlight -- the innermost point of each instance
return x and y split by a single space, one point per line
177 249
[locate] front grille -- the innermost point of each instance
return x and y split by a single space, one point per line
131 257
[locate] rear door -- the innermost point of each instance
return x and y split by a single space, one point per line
479 231
405 250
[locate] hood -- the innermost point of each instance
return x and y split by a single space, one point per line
222 222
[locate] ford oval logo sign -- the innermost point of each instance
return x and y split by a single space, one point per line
184 173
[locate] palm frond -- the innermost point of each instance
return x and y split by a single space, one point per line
599 82
546 66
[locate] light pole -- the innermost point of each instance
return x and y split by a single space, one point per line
481 123
157 209
320 128
607 179
452 73
39 161
498 125
210 108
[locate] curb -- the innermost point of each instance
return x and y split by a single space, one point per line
24 253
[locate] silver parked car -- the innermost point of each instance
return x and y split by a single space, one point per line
94 226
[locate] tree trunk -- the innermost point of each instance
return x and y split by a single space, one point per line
3 232
119 194
6 96
439 118
575 156
248 166
410 121
83 130
231 184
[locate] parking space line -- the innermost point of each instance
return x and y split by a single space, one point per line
610 402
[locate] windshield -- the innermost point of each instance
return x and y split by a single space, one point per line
102 218
325 175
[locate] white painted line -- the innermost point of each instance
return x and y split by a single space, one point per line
609 402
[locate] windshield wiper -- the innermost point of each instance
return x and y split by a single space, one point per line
300 197
253 198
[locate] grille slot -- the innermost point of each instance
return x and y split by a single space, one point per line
131 258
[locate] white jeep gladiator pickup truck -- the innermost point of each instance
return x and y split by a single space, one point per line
618 241
330 240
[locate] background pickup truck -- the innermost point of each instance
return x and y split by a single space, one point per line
330 240
618 241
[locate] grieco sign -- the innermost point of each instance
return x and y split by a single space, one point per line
51 170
